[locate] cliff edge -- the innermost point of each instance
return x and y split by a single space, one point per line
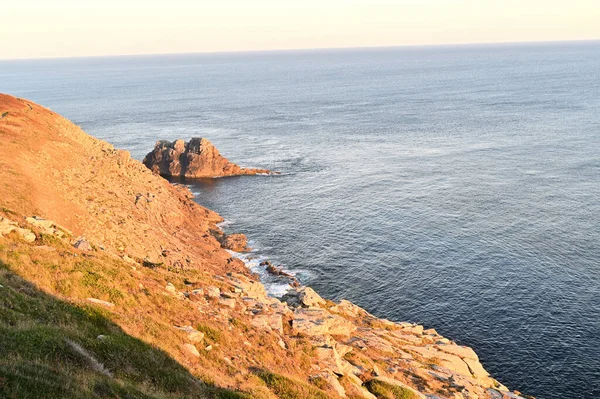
113 284
197 158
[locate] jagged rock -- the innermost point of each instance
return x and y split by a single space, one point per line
278 271
235 242
495 394
371 340
227 302
47 226
332 381
272 322
82 244
194 159
447 360
7 226
193 335
329 356
304 296
170 288
213 292
349 309
128 259
190 350
101 302
249 288
311 321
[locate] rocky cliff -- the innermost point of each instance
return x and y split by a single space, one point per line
116 284
195 159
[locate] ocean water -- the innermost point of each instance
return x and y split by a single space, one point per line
458 187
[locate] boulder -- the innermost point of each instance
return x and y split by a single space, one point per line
101 302
82 244
195 159
213 292
332 381
272 322
235 242
193 335
47 226
7 226
303 296
190 350
312 321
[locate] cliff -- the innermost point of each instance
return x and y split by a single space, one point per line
113 284
195 159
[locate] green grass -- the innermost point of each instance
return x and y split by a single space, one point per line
388 391
287 388
37 360
212 334
8 211
51 240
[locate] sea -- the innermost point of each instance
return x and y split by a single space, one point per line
453 186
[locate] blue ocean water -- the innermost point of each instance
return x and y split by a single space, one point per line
458 187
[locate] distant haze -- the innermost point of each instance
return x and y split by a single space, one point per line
68 28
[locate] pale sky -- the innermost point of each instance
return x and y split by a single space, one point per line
68 28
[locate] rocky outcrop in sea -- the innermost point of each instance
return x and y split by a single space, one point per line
197 158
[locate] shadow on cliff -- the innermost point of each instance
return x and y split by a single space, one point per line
51 348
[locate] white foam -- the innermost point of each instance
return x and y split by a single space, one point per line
277 290
252 262
224 223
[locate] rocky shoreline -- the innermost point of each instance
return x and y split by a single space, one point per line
433 362
110 235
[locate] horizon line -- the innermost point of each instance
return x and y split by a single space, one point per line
283 50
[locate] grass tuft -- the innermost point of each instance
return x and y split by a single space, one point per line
384 390
287 388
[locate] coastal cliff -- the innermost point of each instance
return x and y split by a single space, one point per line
115 283
197 158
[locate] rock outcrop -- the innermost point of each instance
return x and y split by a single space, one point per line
197 158
235 242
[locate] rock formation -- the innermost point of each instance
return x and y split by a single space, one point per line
197 158
235 242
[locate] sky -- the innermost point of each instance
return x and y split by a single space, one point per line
73 28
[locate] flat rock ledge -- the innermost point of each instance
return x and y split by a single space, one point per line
198 158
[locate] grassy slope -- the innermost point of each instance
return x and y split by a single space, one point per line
37 332
42 326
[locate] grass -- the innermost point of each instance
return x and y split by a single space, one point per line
38 361
388 391
7 211
210 333
287 388
142 350
51 240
